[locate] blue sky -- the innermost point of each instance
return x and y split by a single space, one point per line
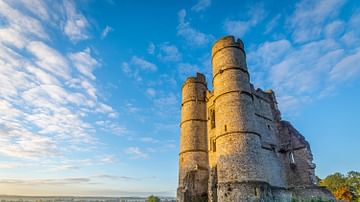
90 90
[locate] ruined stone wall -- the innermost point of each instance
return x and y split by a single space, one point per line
286 153
313 192
266 125
193 161
297 157
264 117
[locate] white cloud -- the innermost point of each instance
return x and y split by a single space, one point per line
201 5
186 69
60 181
133 73
131 108
308 62
89 88
105 108
76 24
297 73
38 8
27 144
236 28
290 103
112 127
84 62
166 105
44 101
126 68
136 66
270 53
61 164
151 92
334 29
49 59
108 159
151 48
8 111
169 52
22 23
143 64
347 68
149 140
136 153
323 54
11 165
190 34
272 24
106 31
115 177
239 27
64 167
42 76
12 81
351 37
167 79
12 37
307 21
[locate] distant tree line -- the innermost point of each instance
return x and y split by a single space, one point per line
344 187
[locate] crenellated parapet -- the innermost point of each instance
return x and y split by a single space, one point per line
228 54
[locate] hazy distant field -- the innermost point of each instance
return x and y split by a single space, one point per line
74 199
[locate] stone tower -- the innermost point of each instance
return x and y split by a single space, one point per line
193 162
238 144
234 145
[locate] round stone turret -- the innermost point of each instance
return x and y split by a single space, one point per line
238 142
193 163
228 53
226 41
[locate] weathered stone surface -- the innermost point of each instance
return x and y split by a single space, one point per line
234 145
193 161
